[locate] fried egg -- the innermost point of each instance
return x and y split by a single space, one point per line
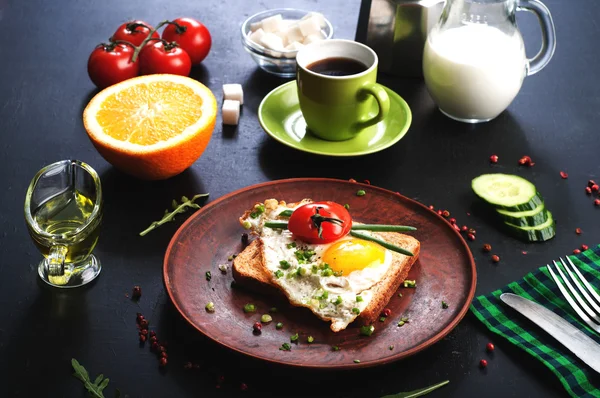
333 280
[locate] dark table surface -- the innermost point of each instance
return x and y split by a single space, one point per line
44 88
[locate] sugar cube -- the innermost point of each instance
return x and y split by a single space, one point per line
312 38
233 92
294 33
295 46
230 112
272 24
320 18
271 41
257 35
309 26
283 33
255 26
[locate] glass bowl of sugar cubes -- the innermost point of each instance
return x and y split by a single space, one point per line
274 37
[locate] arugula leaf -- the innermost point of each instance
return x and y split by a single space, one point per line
95 389
418 393
177 208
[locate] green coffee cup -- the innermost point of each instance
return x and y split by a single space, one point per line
337 108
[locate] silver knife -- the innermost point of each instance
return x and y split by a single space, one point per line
568 335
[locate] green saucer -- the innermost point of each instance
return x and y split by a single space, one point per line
280 116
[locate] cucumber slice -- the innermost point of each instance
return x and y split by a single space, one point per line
528 218
507 191
538 233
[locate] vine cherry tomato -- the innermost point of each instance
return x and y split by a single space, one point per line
133 32
190 35
111 63
320 222
164 58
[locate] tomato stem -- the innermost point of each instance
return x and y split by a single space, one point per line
136 53
318 220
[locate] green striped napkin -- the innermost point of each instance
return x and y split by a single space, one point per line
577 378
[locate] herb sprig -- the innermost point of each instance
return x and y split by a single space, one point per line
419 392
94 388
177 208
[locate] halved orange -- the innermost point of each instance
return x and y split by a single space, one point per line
152 127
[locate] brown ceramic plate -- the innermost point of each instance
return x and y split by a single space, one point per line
445 271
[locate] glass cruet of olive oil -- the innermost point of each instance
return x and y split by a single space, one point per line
63 211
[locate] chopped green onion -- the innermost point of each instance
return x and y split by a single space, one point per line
247 224
337 301
382 243
323 266
276 224
324 296
355 310
338 273
399 294
249 308
382 319
230 258
301 271
347 206
285 347
315 269
335 348
266 318
361 192
444 305
294 337
359 299
258 210
279 326
291 245
310 339
278 273
323 305
404 319
382 228
409 283
273 310
210 307
401 323
357 361
391 347
327 272
208 276
284 264
286 213
367 330
223 268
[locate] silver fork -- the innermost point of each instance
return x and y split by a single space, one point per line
590 316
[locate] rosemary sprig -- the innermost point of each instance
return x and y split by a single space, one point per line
177 208
95 389
382 243
418 393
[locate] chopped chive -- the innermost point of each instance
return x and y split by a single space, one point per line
273 310
357 361
399 294
284 264
444 305
294 337
249 308
286 213
285 347
208 276
325 295
355 311
391 347
382 228
337 301
404 319
310 339
276 224
347 206
291 245
278 274
323 266
258 210
382 319
335 348
247 224
327 272
279 326
301 271
367 330
361 192
409 283
230 258
359 299
266 318
315 269
223 268
382 243
210 307
401 323
338 273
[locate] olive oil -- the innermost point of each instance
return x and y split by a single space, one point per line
66 217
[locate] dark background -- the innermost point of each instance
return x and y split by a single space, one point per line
44 88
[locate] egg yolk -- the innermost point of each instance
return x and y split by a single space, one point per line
353 255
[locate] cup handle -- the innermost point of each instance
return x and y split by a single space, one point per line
383 101
55 263
544 17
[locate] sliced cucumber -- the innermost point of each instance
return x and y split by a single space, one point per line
528 218
507 191
538 233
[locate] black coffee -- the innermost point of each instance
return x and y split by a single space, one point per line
337 66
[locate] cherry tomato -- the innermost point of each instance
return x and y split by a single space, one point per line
161 58
332 219
193 37
131 32
111 64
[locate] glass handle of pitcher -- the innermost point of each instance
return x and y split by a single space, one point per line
55 263
542 13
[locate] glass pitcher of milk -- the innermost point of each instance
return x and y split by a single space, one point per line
474 60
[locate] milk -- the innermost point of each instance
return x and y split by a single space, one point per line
473 72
